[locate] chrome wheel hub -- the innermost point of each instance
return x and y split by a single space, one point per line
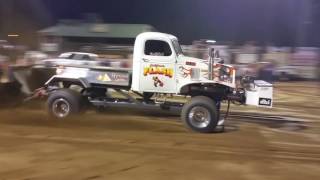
199 117
61 108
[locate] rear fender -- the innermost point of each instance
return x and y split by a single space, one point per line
78 81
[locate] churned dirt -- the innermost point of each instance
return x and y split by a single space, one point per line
132 144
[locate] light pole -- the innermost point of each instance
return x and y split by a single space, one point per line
304 23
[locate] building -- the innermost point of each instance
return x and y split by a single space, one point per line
71 35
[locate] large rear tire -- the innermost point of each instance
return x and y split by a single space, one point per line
200 114
64 103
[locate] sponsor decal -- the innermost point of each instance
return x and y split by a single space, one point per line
104 77
116 77
191 63
157 82
265 88
185 72
221 73
156 69
119 77
264 101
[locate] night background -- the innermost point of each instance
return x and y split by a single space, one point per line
97 89
282 23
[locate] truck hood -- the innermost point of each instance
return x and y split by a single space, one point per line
191 59
198 62
222 73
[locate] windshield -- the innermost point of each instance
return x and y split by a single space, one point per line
177 47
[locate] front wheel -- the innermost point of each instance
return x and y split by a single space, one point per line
200 114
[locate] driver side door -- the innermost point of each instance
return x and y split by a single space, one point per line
158 64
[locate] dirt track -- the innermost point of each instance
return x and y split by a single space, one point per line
127 144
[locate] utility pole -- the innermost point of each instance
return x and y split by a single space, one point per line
304 23
3 20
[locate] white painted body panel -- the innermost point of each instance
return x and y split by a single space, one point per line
142 83
101 76
260 95
198 73
184 70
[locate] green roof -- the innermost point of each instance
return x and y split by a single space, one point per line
96 30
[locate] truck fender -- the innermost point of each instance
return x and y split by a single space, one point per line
80 81
186 87
208 88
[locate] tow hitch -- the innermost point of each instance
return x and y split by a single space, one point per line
38 93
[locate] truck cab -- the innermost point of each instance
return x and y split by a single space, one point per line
160 66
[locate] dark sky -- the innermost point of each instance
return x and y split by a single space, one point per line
281 22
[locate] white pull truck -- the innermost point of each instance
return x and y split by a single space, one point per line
159 69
